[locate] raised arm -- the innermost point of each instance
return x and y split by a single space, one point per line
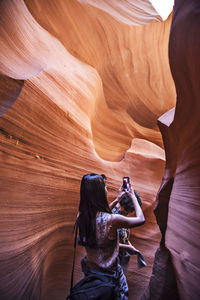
119 221
113 203
120 194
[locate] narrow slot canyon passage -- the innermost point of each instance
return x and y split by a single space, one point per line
108 87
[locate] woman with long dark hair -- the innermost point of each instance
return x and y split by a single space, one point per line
98 230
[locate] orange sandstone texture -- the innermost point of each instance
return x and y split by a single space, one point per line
132 62
176 271
81 90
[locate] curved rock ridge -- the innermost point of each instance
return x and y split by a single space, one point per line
129 12
22 39
147 148
135 73
81 93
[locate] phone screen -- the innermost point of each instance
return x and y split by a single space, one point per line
126 183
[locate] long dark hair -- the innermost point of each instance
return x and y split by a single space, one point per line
92 200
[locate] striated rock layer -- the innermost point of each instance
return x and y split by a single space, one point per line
81 91
176 270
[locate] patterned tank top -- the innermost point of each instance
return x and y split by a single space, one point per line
104 255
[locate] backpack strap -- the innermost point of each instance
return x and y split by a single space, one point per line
75 239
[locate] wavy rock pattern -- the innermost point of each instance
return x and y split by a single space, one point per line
81 92
177 209
128 12
122 71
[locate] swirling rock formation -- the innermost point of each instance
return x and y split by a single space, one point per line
81 91
128 12
176 269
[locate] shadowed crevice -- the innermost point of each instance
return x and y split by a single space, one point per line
163 281
9 91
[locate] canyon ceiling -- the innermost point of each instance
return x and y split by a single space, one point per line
102 87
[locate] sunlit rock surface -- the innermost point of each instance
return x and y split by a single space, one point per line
81 89
135 12
176 271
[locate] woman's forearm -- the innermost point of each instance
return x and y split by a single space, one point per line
113 203
129 248
120 194
138 210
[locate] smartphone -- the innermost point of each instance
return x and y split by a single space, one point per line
126 183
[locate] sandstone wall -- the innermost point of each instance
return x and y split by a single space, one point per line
176 271
81 90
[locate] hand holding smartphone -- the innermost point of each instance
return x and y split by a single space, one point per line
126 183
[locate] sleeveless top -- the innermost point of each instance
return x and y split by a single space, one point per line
103 256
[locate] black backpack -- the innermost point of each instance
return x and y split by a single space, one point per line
93 286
